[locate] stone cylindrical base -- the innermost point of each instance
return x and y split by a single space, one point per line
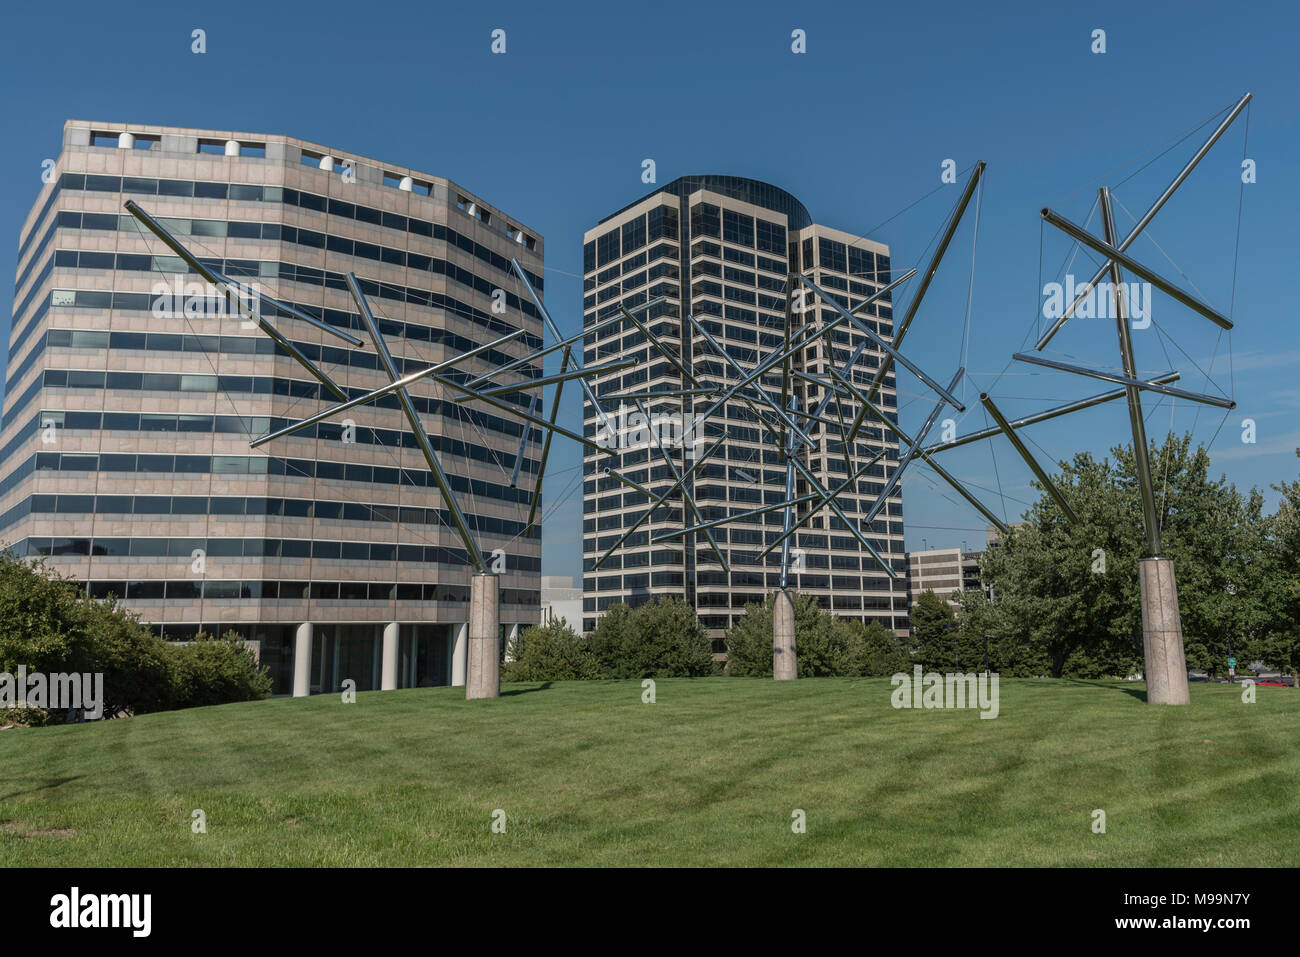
388 658
784 664
1162 634
302 641
459 654
484 672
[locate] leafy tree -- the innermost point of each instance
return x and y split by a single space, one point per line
550 652
48 624
1067 597
138 666
934 629
611 635
660 639
883 654
1278 643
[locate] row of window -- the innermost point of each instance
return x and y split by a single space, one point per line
223 507
236 192
608 583
91 259
261 385
191 590
291 548
288 272
216 307
250 426
704 555
226 465
208 345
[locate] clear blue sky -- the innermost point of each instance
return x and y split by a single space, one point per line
555 130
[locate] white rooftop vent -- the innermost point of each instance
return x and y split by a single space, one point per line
232 147
125 141
327 163
406 184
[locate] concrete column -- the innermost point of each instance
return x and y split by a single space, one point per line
302 643
1162 634
388 680
483 679
460 655
784 664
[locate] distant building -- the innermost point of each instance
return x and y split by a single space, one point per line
721 248
944 571
561 599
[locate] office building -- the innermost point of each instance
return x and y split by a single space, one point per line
132 394
721 248
944 571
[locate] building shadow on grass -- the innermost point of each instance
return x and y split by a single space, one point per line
544 686
1120 686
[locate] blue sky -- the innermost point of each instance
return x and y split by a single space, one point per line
555 130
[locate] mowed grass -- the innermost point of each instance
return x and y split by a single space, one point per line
708 775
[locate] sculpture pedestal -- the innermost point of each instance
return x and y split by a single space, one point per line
1162 634
784 664
484 667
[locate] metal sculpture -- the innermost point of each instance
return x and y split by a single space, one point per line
791 429
1165 662
483 675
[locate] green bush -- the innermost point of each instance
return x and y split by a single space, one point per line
138 677
551 652
825 645
661 639
49 625
211 670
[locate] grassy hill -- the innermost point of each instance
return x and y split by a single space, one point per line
708 775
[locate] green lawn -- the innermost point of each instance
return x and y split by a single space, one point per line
708 775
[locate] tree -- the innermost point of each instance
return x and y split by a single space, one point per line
1278 644
551 652
660 639
934 628
1067 596
49 625
883 654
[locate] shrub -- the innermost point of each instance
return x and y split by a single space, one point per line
660 639
551 652
135 662
24 717
825 645
212 670
49 625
